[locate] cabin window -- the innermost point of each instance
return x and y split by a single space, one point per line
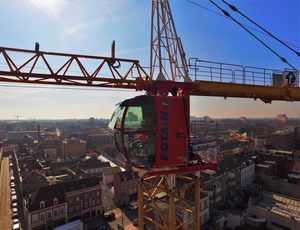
140 132
134 125
116 119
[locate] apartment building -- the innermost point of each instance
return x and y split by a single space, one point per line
73 147
46 208
247 173
125 187
83 198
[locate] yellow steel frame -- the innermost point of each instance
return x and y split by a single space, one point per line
174 211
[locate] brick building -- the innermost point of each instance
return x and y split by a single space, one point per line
108 174
93 166
125 187
83 198
46 208
73 147
282 139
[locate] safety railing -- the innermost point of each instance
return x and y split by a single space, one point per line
231 73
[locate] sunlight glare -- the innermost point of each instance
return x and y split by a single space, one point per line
50 5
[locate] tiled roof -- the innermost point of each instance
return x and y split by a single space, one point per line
64 164
47 195
28 164
98 164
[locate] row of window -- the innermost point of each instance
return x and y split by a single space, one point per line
248 170
94 170
247 180
84 205
129 189
47 214
42 203
204 218
204 204
86 196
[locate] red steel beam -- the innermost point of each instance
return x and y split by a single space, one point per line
109 72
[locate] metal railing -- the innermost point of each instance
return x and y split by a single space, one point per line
231 73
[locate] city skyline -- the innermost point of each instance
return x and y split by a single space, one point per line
90 27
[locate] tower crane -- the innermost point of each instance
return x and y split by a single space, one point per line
151 131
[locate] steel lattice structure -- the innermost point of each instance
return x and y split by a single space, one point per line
106 72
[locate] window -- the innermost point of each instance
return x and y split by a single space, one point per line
42 217
139 127
205 217
115 122
77 207
62 211
205 204
49 214
98 193
85 205
77 199
55 213
98 201
93 202
42 204
55 201
35 218
140 132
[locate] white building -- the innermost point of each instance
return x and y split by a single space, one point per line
247 173
204 205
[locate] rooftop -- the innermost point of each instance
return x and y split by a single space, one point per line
127 175
281 205
47 195
81 184
111 170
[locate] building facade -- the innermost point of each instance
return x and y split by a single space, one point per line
73 147
247 173
83 198
125 187
46 208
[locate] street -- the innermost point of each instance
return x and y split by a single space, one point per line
122 220
128 216
5 211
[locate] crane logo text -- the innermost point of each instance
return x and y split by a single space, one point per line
164 131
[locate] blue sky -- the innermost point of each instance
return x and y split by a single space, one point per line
88 27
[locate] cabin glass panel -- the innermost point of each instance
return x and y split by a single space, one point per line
140 132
